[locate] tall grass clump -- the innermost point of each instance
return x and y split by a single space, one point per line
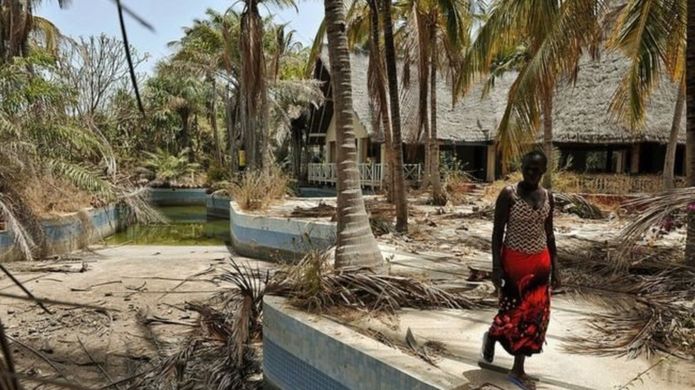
257 190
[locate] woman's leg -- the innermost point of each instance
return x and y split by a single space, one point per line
518 368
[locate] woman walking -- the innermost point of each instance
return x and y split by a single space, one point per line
524 259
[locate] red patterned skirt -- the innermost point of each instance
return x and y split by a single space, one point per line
524 312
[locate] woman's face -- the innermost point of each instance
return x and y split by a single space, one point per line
533 170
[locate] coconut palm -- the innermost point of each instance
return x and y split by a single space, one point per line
556 34
17 22
253 83
441 30
652 36
400 193
356 245
364 30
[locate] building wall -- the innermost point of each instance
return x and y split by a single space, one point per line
362 142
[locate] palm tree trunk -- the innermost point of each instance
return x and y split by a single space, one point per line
548 137
253 86
213 121
690 126
356 245
424 63
376 55
399 179
231 132
438 195
670 158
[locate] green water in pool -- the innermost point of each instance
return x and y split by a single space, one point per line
188 225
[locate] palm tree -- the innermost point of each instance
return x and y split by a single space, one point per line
253 84
400 195
690 141
364 25
17 23
652 37
356 245
442 29
555 34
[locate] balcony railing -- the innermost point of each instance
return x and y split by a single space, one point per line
371 175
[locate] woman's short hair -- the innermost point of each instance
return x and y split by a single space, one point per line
533 155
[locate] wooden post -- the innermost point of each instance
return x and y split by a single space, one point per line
491 162
635 159
621 161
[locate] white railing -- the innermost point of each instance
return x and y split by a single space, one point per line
371 175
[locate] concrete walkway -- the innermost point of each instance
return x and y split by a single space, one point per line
129 282
460 331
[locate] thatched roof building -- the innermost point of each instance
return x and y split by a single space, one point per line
581 111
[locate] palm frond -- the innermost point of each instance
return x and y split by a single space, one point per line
653 210
651 34
81 176
21 237
50 31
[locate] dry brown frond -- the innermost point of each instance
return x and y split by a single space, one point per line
654 210
314 285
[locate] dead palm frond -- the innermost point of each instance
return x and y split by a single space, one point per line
578 205
652 211
314 285
223 352
8 378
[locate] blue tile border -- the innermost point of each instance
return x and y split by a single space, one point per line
285 371
304 351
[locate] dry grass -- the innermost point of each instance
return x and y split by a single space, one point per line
258 190
49 196
458 185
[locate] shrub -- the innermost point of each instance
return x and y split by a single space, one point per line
256 190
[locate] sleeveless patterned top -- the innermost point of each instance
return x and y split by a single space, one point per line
526 226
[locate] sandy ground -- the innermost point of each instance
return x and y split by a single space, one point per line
93 347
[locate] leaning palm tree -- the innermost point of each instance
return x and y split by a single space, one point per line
659 39
652 36
556 34
356 245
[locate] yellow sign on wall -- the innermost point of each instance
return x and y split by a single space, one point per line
242 158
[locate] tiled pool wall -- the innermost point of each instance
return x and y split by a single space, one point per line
77 230
302 351
68 233
275 238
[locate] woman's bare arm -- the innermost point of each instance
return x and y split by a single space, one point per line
501 216
550 237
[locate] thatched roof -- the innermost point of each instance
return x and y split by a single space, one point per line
580 111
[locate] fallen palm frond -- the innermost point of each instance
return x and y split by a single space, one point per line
578 205
650 326
19 234
322 210
8 379
314 285
654 209
223 352
139 208
649 299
